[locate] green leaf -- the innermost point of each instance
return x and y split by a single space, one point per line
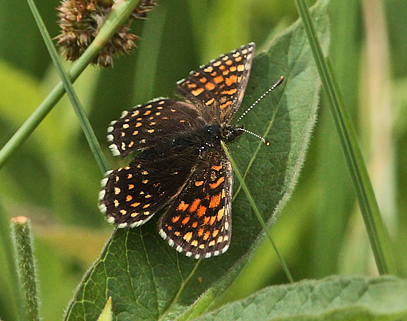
334 298
149 280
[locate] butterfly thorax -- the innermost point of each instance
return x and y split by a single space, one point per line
209 136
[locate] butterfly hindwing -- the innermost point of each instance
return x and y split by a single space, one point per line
150 124
198 223
131 195
217 88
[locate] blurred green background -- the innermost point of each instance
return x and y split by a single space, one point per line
54 180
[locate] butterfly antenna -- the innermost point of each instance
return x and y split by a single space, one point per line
278 83
265 141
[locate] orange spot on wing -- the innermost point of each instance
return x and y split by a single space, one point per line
209 102
185 220
201 211
129 198
216 184
206 236
217 168
229 92
218 79
231 80
197 91
215 200
200 232
194 205
220 213
210 86
187 237
175 219
182 206
213 218
223 106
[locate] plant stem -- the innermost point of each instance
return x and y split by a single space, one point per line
23 246
256 211
80 113
117 17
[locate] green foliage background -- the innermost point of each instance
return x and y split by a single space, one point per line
54 180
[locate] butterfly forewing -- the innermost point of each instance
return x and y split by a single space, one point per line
217 88
150 124
198 223
131 195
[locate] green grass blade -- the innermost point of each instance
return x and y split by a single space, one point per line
368 205
256 211
83 120
116 18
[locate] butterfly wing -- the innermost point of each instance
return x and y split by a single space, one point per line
152 123
199 222
132 195
217 89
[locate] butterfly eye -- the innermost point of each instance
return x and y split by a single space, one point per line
231 133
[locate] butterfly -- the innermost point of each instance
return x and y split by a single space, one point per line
181 163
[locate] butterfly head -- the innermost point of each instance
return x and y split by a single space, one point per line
231 133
